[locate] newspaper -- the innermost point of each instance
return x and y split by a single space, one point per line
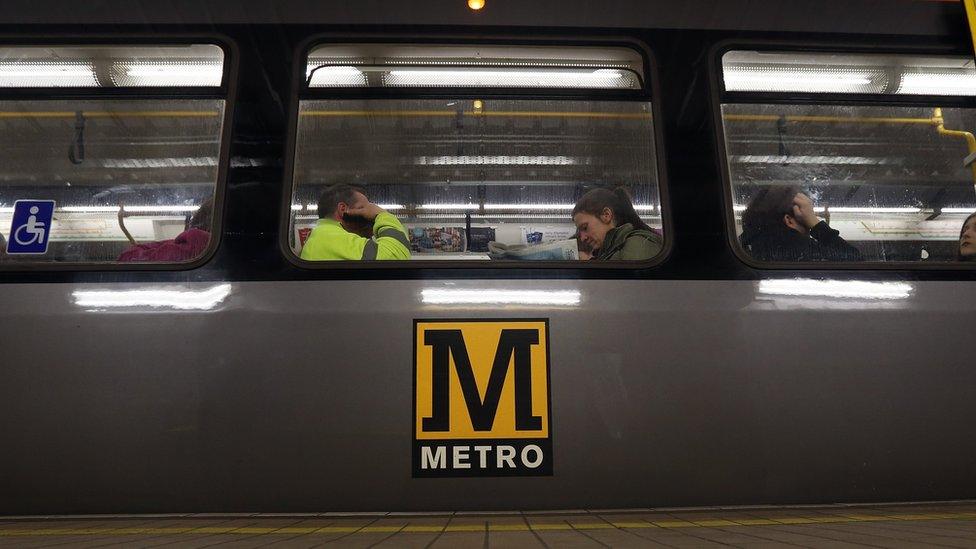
552 251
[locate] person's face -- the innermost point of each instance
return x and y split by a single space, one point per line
593 229
353 224
967 241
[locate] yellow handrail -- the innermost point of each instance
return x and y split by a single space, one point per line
970 139
937 121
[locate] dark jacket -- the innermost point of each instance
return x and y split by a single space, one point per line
629 244
780 243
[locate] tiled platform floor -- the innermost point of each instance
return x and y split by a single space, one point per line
915 525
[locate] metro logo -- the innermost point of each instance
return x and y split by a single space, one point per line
481 398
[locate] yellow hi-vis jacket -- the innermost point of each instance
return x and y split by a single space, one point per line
330 241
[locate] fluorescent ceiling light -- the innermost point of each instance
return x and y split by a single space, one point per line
106 66
335 77
53 74
486 296
822 72
959 210
822 159
511 78
181 299
843 209
134 209
545 207
495 161
315 208
847 289
802 79
148 163
945 83
140 73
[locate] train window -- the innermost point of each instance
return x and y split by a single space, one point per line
490 178
840 181
90 176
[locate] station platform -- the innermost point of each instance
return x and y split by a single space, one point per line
838 526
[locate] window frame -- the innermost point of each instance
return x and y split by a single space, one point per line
720 96
650 89
226 92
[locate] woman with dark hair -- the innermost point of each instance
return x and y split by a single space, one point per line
967 239
607 222
779 224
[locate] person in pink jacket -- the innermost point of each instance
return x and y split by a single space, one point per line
187 246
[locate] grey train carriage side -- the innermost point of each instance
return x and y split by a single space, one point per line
249 380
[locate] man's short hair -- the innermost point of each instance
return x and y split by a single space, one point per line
769 206
332 196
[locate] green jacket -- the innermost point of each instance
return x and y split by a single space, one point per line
330 241
629 244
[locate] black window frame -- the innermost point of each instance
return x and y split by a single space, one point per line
301 91
720 96
226 92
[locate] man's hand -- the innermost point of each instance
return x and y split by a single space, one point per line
368 211
803 211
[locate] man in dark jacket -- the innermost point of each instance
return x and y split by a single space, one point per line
780 225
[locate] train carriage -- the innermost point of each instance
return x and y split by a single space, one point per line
166 348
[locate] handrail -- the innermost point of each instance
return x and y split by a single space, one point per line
937 121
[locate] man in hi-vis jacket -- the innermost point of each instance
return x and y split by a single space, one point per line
352 227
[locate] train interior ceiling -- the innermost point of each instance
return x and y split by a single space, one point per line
463 172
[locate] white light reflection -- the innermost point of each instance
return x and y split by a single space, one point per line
542 207
158 74
838 289
115 209
171 299
800 79
484 160
557 298
515 78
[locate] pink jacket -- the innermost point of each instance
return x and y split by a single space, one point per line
187 246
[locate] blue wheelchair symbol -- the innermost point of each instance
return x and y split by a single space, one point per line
30 230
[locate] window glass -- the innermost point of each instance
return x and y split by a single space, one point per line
156 161
893 180
482 66
757 71
476 179
198 65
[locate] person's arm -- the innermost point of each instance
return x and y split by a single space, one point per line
389 240
830 245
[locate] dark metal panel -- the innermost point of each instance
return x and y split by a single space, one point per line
911 17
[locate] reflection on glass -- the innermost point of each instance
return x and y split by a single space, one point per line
111 66
473 179
756 71
133 180
849 183
480 66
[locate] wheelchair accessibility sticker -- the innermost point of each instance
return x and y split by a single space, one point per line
31 227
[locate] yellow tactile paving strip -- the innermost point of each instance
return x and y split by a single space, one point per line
952 525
